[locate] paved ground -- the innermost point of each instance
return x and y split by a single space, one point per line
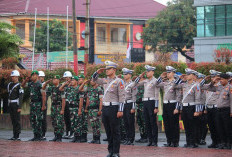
47 149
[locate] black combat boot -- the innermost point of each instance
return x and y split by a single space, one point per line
17 137
74 139
59 138
84 138
97 140
34 138
13 138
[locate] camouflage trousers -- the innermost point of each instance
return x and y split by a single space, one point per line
95 121
122 129
76 121
36 118
85 123
141 121
57 120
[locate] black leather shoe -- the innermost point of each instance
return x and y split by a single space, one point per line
74 139
174 145
130 143
213 145
105 139
186 145
193 146
149 144
167 145
34 138
221 146
12 138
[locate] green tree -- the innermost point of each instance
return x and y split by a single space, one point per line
57 37
172 29
9 43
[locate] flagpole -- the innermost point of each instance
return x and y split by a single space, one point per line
33 54
67 40
47 34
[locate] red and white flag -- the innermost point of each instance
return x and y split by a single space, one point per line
128 49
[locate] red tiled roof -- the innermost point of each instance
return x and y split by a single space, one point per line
132 9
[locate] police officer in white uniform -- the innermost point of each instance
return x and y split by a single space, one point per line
113 102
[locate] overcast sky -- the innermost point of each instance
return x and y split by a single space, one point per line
164 2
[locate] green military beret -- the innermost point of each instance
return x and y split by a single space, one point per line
34 72
57 77
81 76
75 77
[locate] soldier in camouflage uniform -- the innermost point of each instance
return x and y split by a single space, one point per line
81 80
36 115
140 116
57 108
93 108
75 97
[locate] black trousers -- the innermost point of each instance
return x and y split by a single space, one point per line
201 128
171 123
129 120
150 120
15 118
44 121
67 117
223 124
189 124
112 127
211 119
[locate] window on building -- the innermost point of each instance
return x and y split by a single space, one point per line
209 21
20 29
220 20
118 34
229 19
214 21
101 33
200 22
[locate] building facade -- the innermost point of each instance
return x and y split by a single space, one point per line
214 28
114 25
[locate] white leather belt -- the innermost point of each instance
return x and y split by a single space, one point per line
169 101
146 99
110 103
128 101
211 106
189 104
13 101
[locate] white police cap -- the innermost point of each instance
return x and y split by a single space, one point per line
15 73
110 64
229 73
214 73
127 71
190 71
170 69
150 68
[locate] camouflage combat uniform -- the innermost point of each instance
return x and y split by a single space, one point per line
36 114
140 116
94 95
56 107
76 121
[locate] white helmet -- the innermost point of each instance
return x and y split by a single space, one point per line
67 74
41 74
15 73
